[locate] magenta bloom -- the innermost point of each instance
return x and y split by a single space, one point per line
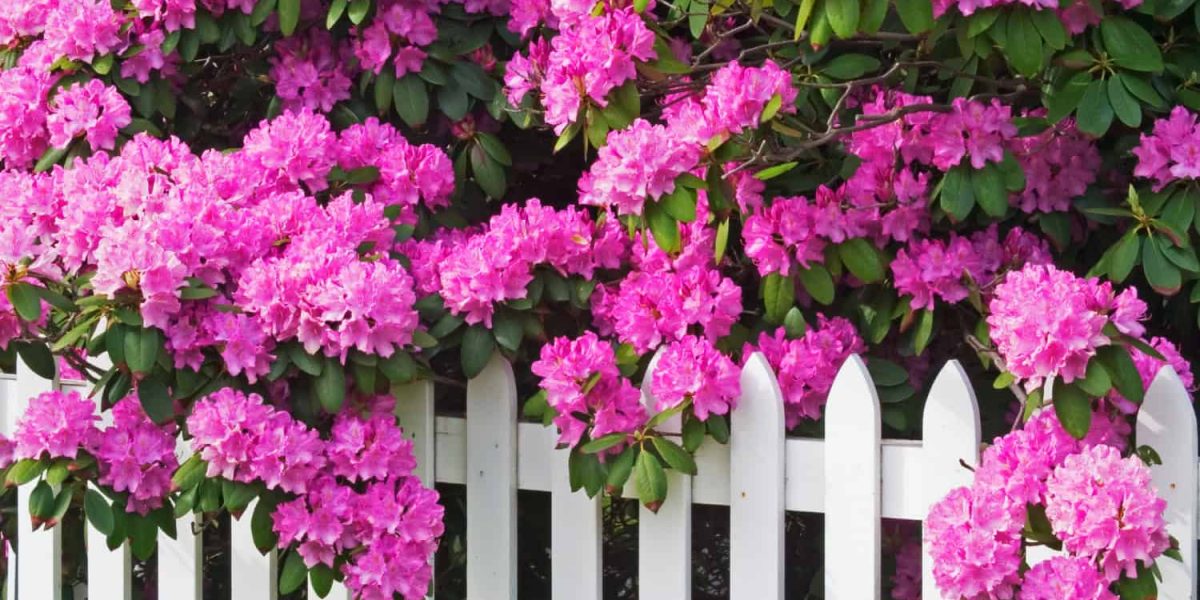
580 377
1059 164
1018 464
1104 507
369 448
92 109
56 425
639 161
692 369
136 456
737 96
309 72
807 366
974 539
1172 151
1064 577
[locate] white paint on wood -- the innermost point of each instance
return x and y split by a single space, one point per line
756 480
180 574
39 564
575 535
109 572
415 411
853 467
491 460
665 537
251 572
1167 423
951 439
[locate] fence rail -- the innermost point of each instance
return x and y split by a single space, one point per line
852 476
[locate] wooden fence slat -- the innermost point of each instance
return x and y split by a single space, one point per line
665 537
180 572
575 536
1167 423
951 433
756 485
492 483
852 486
415 411
109 572
39 563
252 573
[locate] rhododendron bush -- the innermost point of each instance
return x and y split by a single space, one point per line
246 222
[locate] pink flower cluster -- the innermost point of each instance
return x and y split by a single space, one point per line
398 32
497 264
1075 16
242 439
692 369
55 425
1103 508
806 367
410 175
92 109
1059 164
580 377
737 96
310 72
933 269
640 161
1172 151
136 456
1046 322
589 58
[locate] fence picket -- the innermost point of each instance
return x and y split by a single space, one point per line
251 572
180 572
575 536
39 564
951 433
756 485
665 537
109 572
852 485
415 412
492 483
1167 423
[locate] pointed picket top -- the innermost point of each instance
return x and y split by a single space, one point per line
756 486
492 482
665 537
950 439
853 477
1167 423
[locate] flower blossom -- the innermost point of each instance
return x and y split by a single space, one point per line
92 109
580 377
806 367
55 425
692 369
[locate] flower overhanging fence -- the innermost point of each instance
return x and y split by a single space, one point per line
853 476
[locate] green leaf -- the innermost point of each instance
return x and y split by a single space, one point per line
1142 587
36 356
1142 90
680 204
98 511
1065 96
1024 44
358 10
24 298
236 496
886 373
775 171
818 283
453 101
494 148
473 79
1126 108
41 503
620 468
1074 409
957 195
262 10
1129 45
477 348
585 472
412 100
336 10
1003 380
693 434
191 473
1096 381
651 481
981 20
924 331
141 349
663 226
49 158
330 386
1124 255
289 16
1122 371
1050 27
987 184
678 458
293 575
488 173
863 260
1094 114
603 443
850 66
24 471
779 294
843 16
793 323
304 361
802 17
155 399
721 242
916 15
385 84
718 428
1163 276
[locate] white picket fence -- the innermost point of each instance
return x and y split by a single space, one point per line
853 476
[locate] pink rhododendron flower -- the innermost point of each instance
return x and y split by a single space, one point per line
639 161
310 72
692 369
55 425
580 377
974 539
1172 151
1065 577
806 367
92 109
136 456
737 96
1105 508
1059 164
